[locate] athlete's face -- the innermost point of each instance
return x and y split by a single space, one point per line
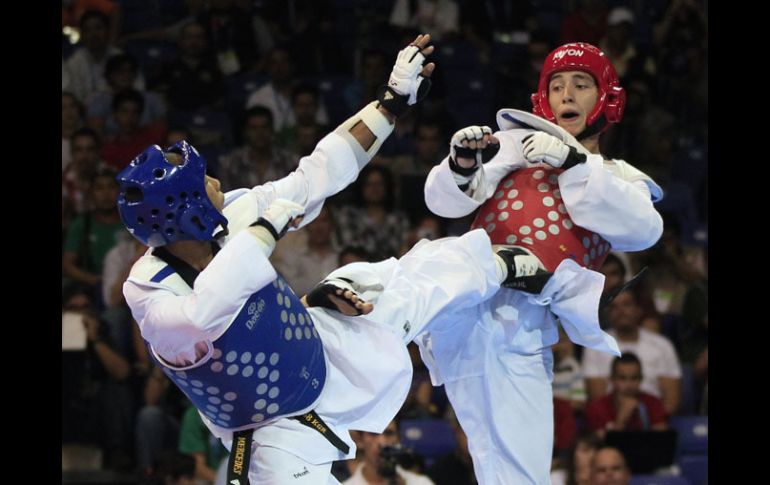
572 95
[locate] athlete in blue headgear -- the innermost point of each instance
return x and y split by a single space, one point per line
278 383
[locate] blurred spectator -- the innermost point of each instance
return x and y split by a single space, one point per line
77 176
84 70
608 467
587 23
618 45
131 137
72 118
258 160
455 468
229 25
577 469
564 425
568 383
435 17
121 73
193 80
371 222
276 94
627 407
662 372
301 138
197 441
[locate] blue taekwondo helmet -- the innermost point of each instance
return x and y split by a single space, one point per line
161 203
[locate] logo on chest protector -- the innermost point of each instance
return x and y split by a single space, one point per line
255 311
567 52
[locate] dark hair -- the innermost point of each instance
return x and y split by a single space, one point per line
94 14
614 259
387 177
128 95
257 111
358 251
305 88
626 358
115 62
85 131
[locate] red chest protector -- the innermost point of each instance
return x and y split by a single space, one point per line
527 210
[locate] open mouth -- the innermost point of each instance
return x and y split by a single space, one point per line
569 115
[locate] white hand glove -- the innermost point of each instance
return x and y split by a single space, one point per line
472 134
279 215
405 78
542 147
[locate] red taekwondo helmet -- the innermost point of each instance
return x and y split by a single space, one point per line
580 56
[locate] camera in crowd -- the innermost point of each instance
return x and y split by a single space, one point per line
393 455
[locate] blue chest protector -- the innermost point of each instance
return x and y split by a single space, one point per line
268 364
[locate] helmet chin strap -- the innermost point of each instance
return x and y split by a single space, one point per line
593 129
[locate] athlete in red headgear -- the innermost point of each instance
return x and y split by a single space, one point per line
542 187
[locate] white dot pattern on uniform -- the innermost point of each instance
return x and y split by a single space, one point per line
298 333
275 283
274 375
284 316
542 187
245 357
262 388
301 319
540 235
287 303
292 319
273 393
260 404
184 383
586 242
553 215
508 183
259 358
585 259
274 358
538 222
181 374
567 224
489 217
308 334
538 174
498 194
517 205
216 354
287 334
212 390
232 370
527 240
257 417
228 408
262 373
513 193
230 357
198 392
503 216
557 193
196 383
281 285
511 239
553 178
272 409
214 400
553 229
315 334
562 209
224 417
502 204
247 371
230 396
593 253
280 299
525 230
491 227
548 201
211 408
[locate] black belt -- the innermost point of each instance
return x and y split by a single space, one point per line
240 451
